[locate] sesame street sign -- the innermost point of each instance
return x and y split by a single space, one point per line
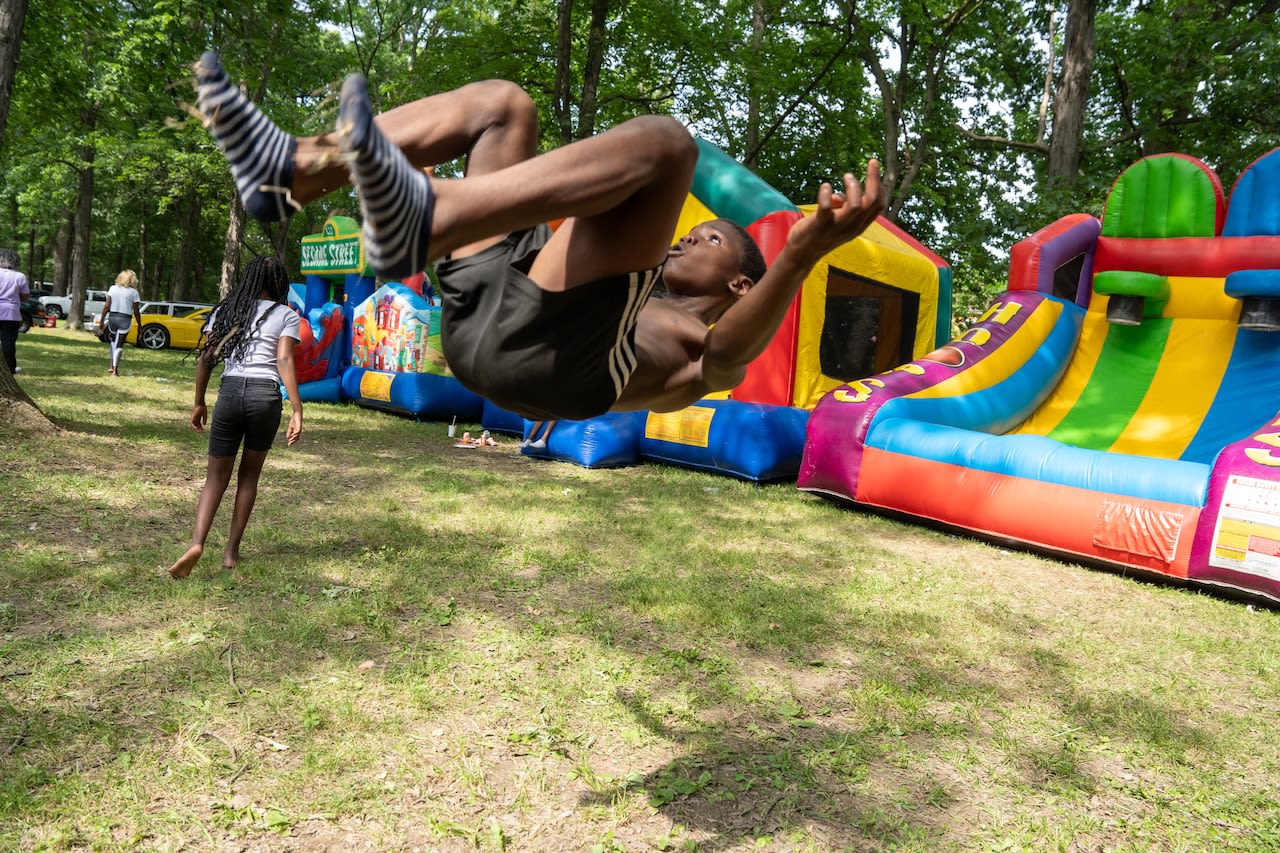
336 250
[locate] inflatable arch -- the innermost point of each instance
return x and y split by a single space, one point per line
874 302
1117 404
333 263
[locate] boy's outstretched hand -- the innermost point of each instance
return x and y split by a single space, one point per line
840 216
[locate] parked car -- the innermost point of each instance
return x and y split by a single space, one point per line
161 331
60 306
33 314
172 309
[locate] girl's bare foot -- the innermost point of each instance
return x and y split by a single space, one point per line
230 560
186 562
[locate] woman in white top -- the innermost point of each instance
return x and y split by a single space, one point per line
254 332
119 312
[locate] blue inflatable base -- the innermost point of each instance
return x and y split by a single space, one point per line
752 441
426 396
608 441
321 391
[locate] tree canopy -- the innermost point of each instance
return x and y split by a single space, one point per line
104 168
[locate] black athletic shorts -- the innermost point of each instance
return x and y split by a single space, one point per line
248 409
544 356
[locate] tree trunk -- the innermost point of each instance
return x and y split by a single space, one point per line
231 249
188 215
62 254
1073 92
83 227
591 75
13 15
752 138
17 410
146 276
564 71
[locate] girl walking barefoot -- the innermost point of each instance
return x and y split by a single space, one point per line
254 332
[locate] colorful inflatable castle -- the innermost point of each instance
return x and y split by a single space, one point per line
396 362
1117 404
376 348
876 301
333 263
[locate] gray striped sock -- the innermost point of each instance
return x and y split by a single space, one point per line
261 155
396 198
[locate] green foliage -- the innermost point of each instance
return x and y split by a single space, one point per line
947 96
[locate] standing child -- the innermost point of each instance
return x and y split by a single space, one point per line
255 333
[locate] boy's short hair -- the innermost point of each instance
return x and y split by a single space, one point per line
750 260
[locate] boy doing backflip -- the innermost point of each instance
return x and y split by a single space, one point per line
548 325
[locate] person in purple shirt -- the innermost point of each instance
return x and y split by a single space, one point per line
13 289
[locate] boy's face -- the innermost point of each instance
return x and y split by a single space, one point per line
704 262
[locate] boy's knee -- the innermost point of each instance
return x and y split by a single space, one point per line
509 102
669 141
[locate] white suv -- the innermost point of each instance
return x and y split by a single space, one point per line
173 309
60 306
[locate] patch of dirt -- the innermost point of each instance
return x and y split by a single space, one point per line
24 417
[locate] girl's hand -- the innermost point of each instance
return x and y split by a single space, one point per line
199 416
294 431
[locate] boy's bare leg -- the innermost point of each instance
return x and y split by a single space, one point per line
623 191
492 123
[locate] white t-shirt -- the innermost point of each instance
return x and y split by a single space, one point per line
122 299
260 356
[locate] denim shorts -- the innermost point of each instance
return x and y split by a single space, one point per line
248 408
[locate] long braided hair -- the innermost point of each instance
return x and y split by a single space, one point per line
227 334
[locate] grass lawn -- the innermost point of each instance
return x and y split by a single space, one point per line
429 648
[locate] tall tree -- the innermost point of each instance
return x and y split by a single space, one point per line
1072 98
13 16
16 407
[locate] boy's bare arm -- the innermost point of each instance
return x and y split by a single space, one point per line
744 330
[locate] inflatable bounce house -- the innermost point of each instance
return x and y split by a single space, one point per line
875 302
333 263
321 354
396 362
377 348
1116 405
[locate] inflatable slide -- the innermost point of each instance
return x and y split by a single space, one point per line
1116 405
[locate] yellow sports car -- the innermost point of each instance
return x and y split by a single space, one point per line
160 331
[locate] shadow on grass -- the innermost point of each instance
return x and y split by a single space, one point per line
784 647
